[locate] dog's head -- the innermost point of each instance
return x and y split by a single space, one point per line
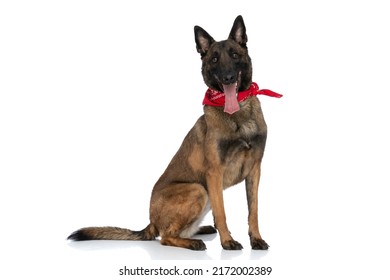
225 63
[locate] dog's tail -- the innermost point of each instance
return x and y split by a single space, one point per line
114 233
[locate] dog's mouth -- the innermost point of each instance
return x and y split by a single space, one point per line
231 91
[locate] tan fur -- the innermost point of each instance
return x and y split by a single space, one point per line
220 151
175 206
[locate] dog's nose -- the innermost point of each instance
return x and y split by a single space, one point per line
229 79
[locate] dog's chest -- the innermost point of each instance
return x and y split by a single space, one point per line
240 151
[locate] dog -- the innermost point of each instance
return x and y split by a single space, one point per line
224 148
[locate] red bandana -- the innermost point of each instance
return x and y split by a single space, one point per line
217 98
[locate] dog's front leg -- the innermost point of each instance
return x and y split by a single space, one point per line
215 192
252 187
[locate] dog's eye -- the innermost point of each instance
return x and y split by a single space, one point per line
214 59
235 55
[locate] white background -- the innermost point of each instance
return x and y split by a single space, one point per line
96 97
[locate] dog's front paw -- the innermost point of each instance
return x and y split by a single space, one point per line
259 244
231 245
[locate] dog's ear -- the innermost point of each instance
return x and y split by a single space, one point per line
203 40
238 32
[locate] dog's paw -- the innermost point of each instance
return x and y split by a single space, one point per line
207 230
197 245
259 244
231 245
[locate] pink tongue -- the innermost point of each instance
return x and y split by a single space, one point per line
231 103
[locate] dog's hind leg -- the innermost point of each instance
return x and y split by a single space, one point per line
192 244
176 211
